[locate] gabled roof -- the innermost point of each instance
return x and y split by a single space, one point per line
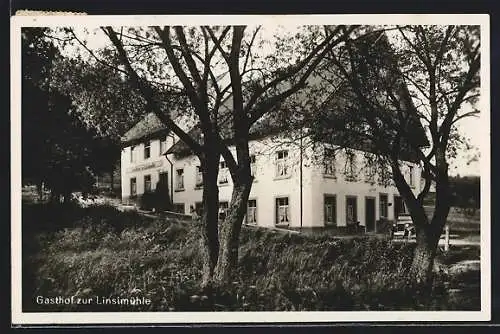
272 124
149 127
260 129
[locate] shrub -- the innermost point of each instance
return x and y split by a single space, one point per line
118 254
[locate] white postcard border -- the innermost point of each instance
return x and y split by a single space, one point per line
20 318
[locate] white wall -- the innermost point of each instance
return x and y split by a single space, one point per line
341 187
154 165
267 187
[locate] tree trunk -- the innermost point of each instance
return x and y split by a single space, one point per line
112 177
230 233
425 252
428 235
209 219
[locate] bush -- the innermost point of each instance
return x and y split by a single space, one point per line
147 201
113 253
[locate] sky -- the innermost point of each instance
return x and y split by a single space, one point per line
472 128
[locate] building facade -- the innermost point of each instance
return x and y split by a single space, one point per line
294 186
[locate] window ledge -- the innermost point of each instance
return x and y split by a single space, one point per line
179 190
199 186
282 177
329 176
224 184
282 225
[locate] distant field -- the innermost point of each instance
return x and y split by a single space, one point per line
459 222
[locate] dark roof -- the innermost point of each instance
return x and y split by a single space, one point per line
147 128
276 121
264 127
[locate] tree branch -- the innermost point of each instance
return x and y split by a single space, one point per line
186 53
327 45
190 90
148 95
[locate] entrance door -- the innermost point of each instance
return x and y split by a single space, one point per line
399 206
370 214
162 188
163 181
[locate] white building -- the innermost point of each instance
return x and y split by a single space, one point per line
291 187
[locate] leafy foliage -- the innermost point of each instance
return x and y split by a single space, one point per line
104 252
401 91
466 193
57 147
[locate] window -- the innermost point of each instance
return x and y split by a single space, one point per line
252 212
147 183
133 187
383 203
385 176
330 208
179 208
199 177
329 168
370 168
253 165
163 146
370 174
179 184
351 210
223 171
147 150
411 180
282 211
350 167
223 207
132 154
282 163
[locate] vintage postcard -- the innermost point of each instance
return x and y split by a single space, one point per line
250 169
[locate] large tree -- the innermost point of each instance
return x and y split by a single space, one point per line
231 85
402 92
56 146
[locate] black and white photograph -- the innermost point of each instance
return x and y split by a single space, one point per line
206 169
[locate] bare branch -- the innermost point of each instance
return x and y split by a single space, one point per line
186 53
217 42
316 54
148 95
198 104
467 114
249 47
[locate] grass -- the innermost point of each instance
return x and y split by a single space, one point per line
69 251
